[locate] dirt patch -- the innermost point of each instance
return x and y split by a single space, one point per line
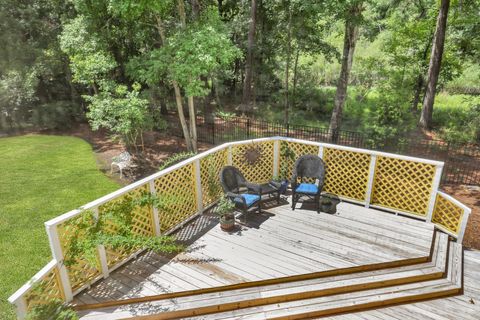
158 147
470 196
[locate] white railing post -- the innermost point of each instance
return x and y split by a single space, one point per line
371 178
463 226
276 157
102 253
198 186
57 254
156 217
320 152
20 307
229 156
433 195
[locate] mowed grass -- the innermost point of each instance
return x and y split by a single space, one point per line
41 177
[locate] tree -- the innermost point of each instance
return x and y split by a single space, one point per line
121 111
247 84
352 20
435 65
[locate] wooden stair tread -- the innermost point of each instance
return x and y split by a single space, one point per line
278 293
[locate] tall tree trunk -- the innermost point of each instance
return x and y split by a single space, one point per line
419 84
247 84
178 93
434 66
193 124
287 66
295 77
349 43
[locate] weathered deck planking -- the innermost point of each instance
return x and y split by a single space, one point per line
279 242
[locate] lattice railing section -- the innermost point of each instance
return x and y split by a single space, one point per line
47 289
142 222
259 169
346 173
403 185
176 191
82 270
289 152
447 214
210 167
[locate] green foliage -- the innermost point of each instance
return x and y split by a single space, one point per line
89 60
225 115
17 93
119 110
87 231
202 49
224 206
457 118
57 115
176 158
53 310
288 158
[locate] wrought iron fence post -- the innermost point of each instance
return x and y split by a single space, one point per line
213 131
288 129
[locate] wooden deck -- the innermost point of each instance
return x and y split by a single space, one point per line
281 242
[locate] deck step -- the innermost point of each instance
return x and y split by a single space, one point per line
297 294
358 301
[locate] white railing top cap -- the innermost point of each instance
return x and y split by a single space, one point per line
199 156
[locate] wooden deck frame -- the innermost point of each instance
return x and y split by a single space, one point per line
51 225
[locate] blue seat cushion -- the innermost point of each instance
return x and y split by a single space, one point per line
249 199
307 188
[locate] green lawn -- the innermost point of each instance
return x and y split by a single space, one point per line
40 177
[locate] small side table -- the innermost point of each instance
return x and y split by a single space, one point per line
274 187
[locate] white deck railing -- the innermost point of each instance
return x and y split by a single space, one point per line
400 184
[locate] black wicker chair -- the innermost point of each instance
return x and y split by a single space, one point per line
312 167
244 194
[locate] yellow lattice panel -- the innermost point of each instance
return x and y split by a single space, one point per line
177 193
289 153
142 222
45 290
81 271
346 173
261 170
447 214
403 185
210 167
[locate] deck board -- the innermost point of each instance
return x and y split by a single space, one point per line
278 242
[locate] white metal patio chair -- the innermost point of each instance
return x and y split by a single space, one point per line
122 161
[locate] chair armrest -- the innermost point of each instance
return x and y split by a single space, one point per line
253 187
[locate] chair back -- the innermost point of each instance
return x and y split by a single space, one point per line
309 166
231 179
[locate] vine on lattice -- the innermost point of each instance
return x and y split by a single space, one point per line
48 288
210 167
120 227
289 153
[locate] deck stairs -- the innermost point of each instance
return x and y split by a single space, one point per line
314 295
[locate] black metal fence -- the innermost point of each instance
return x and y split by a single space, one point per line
462 162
